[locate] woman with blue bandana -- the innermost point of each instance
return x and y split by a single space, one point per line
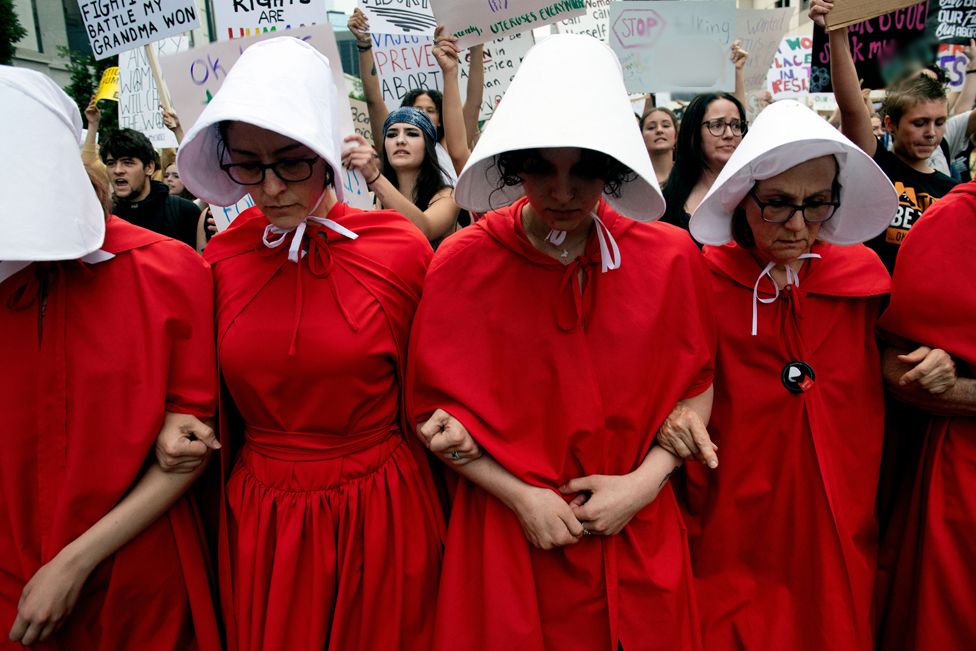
406 176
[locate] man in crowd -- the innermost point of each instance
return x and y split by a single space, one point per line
131 162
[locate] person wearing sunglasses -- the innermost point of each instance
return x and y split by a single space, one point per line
711 128
783 534
330 513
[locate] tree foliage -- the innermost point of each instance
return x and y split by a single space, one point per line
11 31
86 72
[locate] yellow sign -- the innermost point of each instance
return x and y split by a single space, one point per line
108 87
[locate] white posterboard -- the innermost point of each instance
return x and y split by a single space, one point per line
246 18
760 32
399 16
480 21
193 77
502 59
595 22
679 47
789 73
404 63
138 95
121 25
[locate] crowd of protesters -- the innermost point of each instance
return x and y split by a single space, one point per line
675 382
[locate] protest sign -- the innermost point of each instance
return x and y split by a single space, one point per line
114 26
789 74
193 77
404 63
595 22
399 16
360 118
674 46
108 87
953 61
879 46
245 18
224 215
480 21
760 32
502 59
849 12
139 96
956 19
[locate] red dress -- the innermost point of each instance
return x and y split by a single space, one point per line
333 529
933 600
783 532
83 393
555 384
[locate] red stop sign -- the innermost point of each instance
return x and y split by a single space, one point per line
638 28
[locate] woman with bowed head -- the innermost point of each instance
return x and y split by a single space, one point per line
407 177
586 327
712 127
330 515
106 342
783 534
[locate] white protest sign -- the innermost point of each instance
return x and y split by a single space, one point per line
480 21
114 26
245 18
595 22
193 77
760 32
502 59
360 118
399 16
138 95
789 74
674 46
404 63
953 61
224 215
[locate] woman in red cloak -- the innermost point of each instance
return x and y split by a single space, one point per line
106 337
331 532
783 532
582 330
932 604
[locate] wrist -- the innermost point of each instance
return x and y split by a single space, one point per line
971 71
75 559
374 179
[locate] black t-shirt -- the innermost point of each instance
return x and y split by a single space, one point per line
164 213
916 192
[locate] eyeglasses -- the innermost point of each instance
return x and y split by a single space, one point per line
717 127
779 212
289 170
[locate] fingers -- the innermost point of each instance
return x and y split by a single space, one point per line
916 355
579 485
924 363
19 628
573 527
706 449
434 425
205 433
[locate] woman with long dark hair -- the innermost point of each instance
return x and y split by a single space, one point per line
406 176
712 127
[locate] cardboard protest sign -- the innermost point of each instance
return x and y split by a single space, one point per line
849 12
399 16
114 26
789 74
224 215
956 19
480 21
880 48
193 77
139 96
674 46
953 61
245 18
360 119
760 32
595 22
108 87
502 59
404 63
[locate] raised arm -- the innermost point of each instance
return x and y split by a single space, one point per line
855 118
739 58
375 106
89 149
475 94
447 54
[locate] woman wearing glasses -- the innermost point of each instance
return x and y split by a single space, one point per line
783 533
330 515
712 127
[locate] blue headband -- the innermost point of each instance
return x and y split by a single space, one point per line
416 117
